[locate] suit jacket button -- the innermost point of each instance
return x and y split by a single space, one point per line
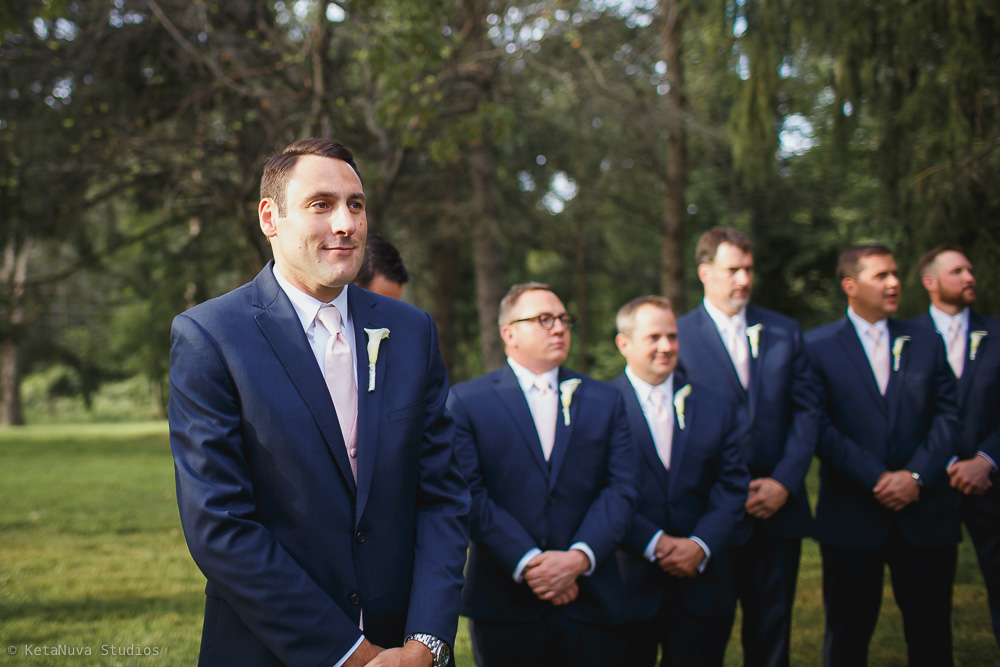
359 538
355 599
543 543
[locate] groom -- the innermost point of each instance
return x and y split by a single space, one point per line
315 476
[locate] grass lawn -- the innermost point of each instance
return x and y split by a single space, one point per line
92 558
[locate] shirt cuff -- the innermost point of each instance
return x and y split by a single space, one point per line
349 653
988 458
708 553
521 564
650 552
582 546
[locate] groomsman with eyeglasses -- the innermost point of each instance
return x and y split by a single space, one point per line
552 469
887 432
972 341
756 358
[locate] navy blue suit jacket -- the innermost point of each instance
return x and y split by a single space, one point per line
862 434
779 410
294 550
520 501
702 494
978 390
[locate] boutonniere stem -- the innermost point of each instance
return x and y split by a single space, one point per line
679 398
897 351
975 338
566 389
375 337
753 333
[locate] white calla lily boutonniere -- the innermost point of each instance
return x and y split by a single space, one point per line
375 337
753 333
975 338
679 399
897 351
566 389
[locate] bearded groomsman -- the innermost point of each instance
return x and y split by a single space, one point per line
972 341
756 359
886 435
693 485
552 469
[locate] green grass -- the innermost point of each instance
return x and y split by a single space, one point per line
92 556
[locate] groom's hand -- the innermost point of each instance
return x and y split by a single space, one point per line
364 654
413 654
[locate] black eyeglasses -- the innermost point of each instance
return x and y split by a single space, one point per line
548 320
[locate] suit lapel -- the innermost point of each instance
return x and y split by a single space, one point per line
970 367
640 432
281 327
894 389
364 315
851 345
712 340
509 392
679 441
764 337
563 431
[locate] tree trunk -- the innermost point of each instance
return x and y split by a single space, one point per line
674 211
444 300
486 252
11 413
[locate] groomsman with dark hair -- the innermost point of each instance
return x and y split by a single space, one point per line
972 341
886 436
756 359
692 487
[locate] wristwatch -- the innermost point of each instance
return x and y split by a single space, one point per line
917 479
439 648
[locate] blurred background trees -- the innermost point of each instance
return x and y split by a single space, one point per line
583 144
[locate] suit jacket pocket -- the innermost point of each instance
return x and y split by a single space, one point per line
407 411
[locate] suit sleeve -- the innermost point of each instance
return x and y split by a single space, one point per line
609 516
291 615
728 495
442 515
931 455
490 524
800 444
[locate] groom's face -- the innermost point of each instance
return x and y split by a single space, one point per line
319 242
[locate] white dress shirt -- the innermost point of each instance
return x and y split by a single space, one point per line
526 380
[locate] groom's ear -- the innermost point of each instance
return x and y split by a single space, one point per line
267 211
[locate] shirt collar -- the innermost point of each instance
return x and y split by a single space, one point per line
526 378
307 306
643 390
722 321
862 325
942 320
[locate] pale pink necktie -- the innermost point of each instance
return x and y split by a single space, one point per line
880 359
339 372
956 348
661 426
738 352
544 413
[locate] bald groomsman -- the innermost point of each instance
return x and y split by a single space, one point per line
692 487
756 359
886 435
973 347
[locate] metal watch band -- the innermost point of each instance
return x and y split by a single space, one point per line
440 649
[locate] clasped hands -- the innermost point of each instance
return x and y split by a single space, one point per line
551 575
413 654
896 489
971 476
766 496
678 556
